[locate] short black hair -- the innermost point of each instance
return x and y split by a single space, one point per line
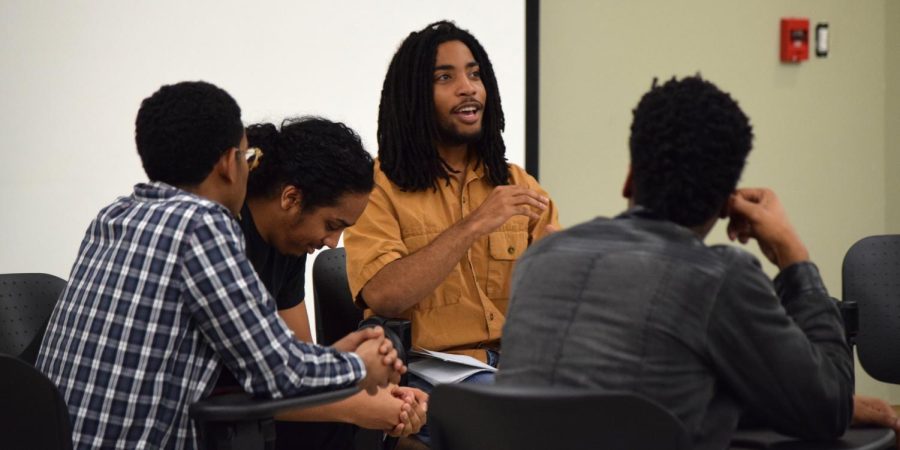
183 129
689 142
321 158
407 127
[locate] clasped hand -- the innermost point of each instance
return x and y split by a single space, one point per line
383 367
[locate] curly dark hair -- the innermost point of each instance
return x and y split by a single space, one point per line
321 158
407 127
183 129
689 142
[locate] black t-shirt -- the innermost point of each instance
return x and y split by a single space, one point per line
283 275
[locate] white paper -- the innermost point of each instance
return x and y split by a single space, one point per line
443 368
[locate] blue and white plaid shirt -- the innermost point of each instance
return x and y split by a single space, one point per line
160 298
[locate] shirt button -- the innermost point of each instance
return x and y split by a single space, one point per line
511 250
490 316
463 199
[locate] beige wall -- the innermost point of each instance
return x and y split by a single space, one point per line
820 126
892 114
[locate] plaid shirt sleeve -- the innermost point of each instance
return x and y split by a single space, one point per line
237 316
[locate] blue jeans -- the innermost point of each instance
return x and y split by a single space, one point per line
493 359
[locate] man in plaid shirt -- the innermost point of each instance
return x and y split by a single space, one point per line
161 296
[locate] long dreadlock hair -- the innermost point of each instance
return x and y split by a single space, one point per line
407 127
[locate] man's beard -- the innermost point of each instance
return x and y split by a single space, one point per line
451 136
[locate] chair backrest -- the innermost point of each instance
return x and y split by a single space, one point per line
26 302
33 414
871 278
336 315
475 417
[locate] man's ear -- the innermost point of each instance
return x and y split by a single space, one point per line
290 197
627 189
228 165
726 209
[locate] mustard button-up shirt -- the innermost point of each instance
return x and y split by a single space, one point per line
466 313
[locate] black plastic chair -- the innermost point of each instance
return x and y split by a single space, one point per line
337 315
871 280
871 286
26 302
500 417
33 415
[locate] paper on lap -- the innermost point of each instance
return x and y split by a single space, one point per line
443 368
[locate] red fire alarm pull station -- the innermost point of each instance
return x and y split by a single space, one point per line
794 40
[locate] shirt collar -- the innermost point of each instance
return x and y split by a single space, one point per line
639 211
643 213
158 190
474 171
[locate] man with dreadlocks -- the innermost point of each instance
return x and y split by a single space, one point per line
448 216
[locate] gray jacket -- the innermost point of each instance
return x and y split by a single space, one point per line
642 305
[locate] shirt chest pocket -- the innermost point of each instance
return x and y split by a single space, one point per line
449 291
504 247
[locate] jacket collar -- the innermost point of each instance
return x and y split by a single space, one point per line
652 219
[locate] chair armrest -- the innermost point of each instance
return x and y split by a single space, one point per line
243 406
850 316
241 421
